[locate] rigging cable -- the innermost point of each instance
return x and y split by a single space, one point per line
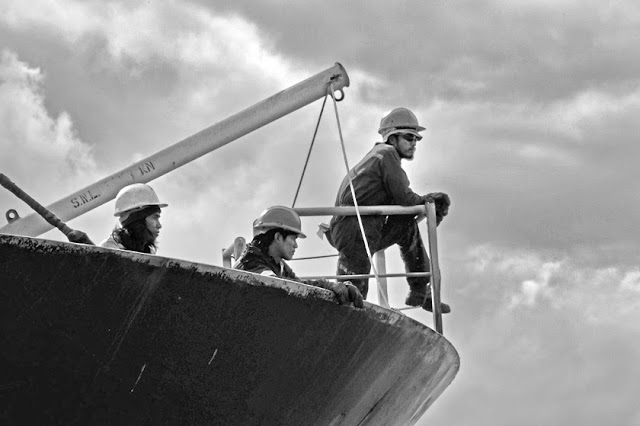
313 139
353 194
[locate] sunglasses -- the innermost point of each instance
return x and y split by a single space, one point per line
409 137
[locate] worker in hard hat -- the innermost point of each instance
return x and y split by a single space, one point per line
275 235
378 179
138 210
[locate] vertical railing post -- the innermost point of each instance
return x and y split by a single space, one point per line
233 251
381 267
238 247
435 267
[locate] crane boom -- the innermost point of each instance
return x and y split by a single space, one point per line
185 151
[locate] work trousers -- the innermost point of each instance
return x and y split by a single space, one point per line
382 232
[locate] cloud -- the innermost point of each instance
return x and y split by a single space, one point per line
465 51
631 281
45 147
551 176
532 289
155 61
539 332
523 279
138 89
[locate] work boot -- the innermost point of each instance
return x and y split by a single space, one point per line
428 305
415 297
420 298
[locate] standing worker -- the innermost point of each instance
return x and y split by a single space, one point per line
138 211
378 179
274 240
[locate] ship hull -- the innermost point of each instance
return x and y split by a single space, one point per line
98 336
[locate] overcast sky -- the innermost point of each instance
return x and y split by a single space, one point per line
531 110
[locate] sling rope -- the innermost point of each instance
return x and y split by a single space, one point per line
322 256
353 193
313 139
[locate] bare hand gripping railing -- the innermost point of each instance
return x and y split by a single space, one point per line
427 210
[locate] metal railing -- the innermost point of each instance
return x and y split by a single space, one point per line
421 211
233 251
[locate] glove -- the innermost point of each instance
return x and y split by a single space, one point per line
355 296
346 293
76 236
442 202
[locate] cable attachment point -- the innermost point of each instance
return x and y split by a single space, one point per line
331 91
12 215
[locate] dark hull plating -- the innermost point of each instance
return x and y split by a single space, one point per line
97 336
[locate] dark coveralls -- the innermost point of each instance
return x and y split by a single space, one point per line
253 259
379 180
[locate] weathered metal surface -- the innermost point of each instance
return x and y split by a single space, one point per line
98 336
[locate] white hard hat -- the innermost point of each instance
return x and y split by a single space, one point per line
278 217
135 197
399 120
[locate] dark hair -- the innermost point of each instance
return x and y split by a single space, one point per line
140 214
135 237
263 241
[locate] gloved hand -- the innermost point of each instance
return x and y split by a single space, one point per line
76 236
442 202
346 293
355 296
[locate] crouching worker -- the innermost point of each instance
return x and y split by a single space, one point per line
274 240
379 179
138 211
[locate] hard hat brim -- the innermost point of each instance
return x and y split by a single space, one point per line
161 205
262 229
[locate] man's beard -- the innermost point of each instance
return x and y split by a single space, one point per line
407 156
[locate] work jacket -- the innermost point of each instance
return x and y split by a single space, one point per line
378 179
253 259
113 244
